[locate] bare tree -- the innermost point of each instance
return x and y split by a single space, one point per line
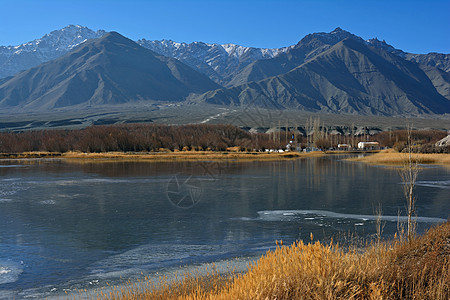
408 174
308 127
317 132
379 221
353 135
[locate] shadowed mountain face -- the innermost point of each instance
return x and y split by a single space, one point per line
439 60
109 70
314 44
349 77
309 47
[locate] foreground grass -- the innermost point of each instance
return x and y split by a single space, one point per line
391 157
419 269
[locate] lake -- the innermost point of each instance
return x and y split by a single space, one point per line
67 226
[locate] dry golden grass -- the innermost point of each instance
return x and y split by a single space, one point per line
397 270
187 156
176 288
391 157
34 154
161 156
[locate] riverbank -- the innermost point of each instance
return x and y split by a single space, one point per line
392 158
162 156
384 270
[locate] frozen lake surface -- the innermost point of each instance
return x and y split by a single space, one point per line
67 226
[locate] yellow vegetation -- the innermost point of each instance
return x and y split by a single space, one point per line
34 154
419 269
390 157
161 156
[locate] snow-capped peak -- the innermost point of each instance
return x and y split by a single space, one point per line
52 45
217 61
338 30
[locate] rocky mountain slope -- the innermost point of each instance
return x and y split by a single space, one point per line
14 59
349 77
218 62
104 71
433 59
316 43
309 47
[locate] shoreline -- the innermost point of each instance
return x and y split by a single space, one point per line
392 158
227 268
159 156
389 157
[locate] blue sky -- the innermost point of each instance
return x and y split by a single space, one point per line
413 26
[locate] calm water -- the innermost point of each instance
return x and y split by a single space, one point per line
66 226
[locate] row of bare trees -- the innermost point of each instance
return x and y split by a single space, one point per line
398 139
423 140
150 137
135 138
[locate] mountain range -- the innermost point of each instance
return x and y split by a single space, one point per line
349 77
335 72
109 70
215 60
218 61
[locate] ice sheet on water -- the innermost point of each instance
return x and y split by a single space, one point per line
150 257
74 181
298 215
9 272
106 282
48 202
13 179
83 181
442 184
9 188
12 166
7 295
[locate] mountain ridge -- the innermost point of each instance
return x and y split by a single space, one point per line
218 61
350 77
315 43
14 59
108 70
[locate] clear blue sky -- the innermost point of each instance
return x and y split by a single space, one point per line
413 26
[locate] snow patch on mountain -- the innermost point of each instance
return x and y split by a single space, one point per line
14 59
218 61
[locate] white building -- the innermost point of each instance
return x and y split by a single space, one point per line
344 146
368 145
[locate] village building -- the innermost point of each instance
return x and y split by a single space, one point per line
344 146
368 146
